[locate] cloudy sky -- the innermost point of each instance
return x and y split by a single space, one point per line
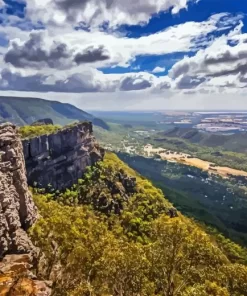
126 54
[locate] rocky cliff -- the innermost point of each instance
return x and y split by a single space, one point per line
17 210
58 160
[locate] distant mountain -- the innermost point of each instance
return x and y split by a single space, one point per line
25 111
234 142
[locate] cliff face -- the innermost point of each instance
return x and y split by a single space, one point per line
59 160
17 210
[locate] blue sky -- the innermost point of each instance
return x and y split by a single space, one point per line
146 52
196 12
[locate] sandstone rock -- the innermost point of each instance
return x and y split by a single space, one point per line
58 160
17 210
17 280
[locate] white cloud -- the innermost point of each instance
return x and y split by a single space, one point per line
94 12
159 69
90 80
217 60
216 69
40 52
120 49
222 64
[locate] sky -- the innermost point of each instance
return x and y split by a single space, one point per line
125 54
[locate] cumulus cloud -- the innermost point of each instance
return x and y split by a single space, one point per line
188 82
162 84
94 12
35 53
76 55
135 83
40 51
158 70
87 81
111 49
92 54
75 83
223 59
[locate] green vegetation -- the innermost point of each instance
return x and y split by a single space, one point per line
106 188
29 131
216 201
91 249
232 142
25 111
112 137
220 149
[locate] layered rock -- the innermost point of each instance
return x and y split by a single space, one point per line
58 160
17 210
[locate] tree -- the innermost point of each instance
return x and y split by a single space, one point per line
207 289
180 255
127 270
234 278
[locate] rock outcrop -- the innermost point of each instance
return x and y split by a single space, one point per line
17 279
58 160
17 210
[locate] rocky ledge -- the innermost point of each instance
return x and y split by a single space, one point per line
17 210
58 160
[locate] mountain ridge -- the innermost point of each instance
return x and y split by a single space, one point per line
26 110
234 142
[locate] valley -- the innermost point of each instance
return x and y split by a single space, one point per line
123 148
205 183
115 209
209 198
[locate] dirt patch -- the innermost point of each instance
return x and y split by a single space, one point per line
196 162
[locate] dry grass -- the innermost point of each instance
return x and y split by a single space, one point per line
196 162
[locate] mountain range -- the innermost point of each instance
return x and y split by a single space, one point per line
25 111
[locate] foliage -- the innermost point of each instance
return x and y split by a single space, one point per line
29 131
210 199
92 259
112 188
139 251
207 289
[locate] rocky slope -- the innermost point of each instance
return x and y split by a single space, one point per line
58 160
17 214
17 210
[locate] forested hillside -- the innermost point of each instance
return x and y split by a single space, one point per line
198 146
234 142
25 111
216 201
114 233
